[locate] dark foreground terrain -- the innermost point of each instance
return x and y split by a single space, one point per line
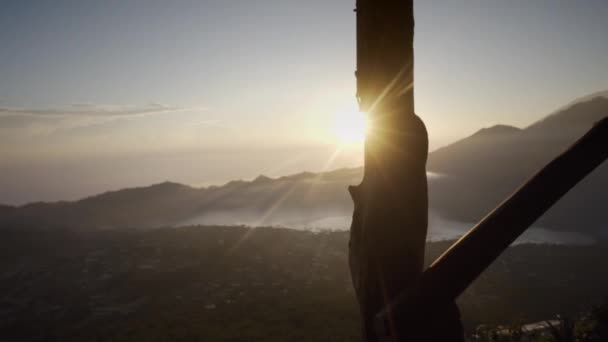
241 284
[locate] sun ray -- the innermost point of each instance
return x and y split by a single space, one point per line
315 181
263 218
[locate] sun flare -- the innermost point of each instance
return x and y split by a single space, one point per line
350 126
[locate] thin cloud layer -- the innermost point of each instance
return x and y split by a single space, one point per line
92 110
20 125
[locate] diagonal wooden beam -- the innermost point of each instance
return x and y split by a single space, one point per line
464 261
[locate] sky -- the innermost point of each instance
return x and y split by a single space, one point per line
102 95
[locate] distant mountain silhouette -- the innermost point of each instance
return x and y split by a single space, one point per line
263 201
475 174
484 168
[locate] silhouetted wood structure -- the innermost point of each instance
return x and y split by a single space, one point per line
399 302
464 261
389 227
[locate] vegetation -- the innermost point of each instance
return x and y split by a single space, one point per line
586 328
264 284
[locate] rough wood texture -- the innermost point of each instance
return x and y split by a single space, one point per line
389 227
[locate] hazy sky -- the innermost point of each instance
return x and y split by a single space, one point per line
100 95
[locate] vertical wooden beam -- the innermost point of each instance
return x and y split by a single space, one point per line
389 227
385 51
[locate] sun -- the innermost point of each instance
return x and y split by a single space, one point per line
350 126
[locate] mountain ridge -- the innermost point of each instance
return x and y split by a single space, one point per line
476 174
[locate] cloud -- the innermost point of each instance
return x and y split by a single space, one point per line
94 110
211 123
22 123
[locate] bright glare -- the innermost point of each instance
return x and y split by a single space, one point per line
350 126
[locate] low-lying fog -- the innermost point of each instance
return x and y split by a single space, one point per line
439 228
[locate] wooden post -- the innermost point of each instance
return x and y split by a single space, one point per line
389 227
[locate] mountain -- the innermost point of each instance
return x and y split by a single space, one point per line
470 177
291 200
155 205
483 169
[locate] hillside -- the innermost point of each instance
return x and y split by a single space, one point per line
263 201
485 168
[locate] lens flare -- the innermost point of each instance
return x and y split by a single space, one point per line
350 126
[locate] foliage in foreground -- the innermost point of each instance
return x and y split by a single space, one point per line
590 327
